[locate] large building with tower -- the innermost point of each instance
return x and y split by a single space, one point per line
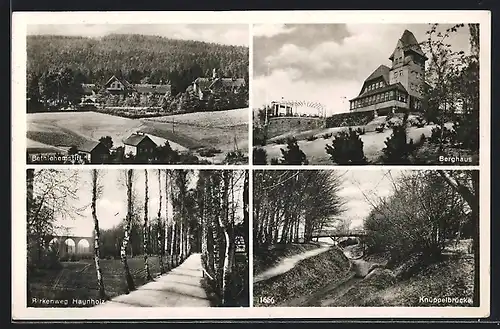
396 88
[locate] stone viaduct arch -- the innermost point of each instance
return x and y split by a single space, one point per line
68 244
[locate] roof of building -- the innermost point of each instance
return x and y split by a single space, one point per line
88 88
381 71
88 146
397 86
209 83
136 138
152 88
232 82
409 42
204 83
123 81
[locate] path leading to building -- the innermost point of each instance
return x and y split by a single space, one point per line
180 287
288 263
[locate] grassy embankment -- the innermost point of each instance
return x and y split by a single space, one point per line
415 283
307 277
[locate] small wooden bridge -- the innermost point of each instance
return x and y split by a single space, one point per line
338 236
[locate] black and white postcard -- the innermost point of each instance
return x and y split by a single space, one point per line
250 165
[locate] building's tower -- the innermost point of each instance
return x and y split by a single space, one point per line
408 67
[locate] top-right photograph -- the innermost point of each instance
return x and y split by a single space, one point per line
357 94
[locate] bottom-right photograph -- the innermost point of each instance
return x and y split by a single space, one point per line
361 237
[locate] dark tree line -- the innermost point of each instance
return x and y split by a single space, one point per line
58 65
289 205
135 57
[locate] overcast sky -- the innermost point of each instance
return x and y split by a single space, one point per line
230 34
326 63
363 187
112 204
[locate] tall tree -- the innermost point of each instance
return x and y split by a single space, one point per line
226 229
161 229
466 183
96 192
128 226
145 230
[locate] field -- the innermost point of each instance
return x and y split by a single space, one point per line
187 132
78 279
215 119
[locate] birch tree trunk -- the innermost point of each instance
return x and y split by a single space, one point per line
145 228
161 249
223 222
97 251
128 221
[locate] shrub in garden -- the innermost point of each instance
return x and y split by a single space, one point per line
259 156
439 134
293 155
327 135
346 148
312 138
397 150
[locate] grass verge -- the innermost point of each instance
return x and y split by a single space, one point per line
78 280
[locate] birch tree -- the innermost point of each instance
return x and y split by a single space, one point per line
96 192
161 229
145 229
128 224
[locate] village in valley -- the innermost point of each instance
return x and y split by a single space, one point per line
182 101
419 105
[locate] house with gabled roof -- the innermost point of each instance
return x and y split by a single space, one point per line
203 87
395 88
119 86
93 152
139 144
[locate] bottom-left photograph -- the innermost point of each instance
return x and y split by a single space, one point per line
137 238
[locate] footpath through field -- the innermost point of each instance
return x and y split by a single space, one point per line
181 287
288 263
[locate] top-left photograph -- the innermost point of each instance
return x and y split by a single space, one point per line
137 94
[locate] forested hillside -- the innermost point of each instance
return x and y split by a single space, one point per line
134 57
58 65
